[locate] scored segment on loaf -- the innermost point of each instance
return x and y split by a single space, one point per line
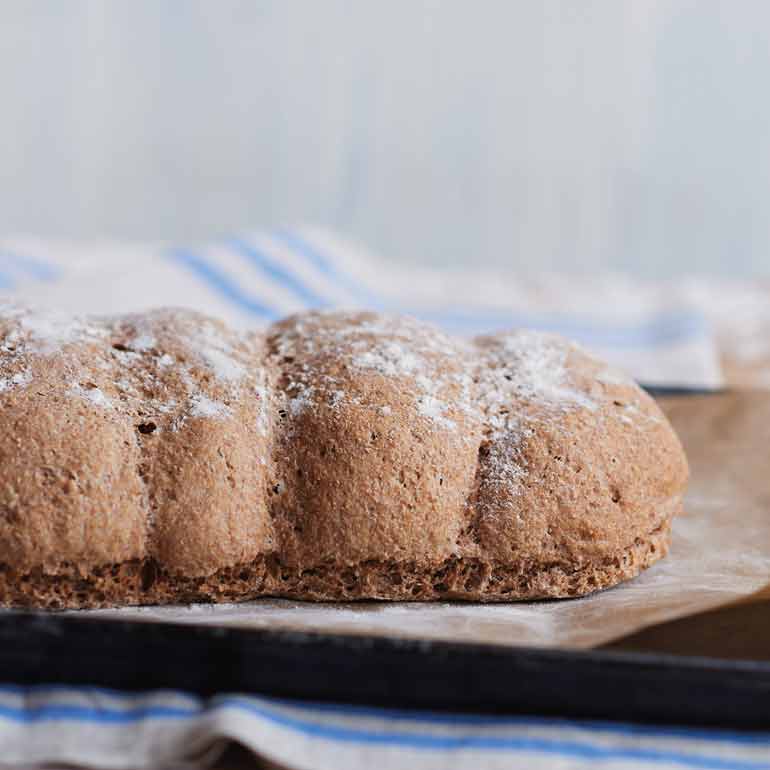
163 457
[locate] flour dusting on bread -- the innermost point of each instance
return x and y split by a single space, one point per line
161 456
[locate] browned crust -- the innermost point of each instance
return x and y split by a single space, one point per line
164 458
142 583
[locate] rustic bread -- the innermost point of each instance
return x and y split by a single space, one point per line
163 458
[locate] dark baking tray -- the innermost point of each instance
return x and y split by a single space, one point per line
38 648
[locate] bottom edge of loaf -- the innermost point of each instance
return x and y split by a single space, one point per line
142 582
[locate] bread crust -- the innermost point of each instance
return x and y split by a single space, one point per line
163 458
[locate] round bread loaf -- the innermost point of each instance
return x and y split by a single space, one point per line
163 458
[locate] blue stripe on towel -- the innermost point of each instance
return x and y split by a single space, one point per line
300 246
56 712
221 283
316 257
278 273
32 266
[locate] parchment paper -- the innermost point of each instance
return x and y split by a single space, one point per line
720 555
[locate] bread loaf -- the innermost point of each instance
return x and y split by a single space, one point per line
163 457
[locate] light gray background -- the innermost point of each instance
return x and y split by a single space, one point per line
630 134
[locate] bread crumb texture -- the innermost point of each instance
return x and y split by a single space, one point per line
163 457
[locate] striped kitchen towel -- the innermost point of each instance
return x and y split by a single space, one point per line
654 332
86 726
